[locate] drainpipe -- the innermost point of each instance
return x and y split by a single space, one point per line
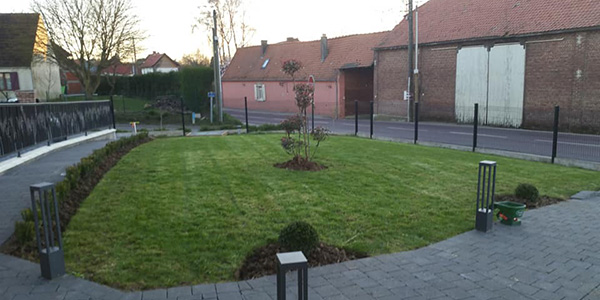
337 96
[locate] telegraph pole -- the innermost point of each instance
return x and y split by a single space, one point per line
410 58
217 67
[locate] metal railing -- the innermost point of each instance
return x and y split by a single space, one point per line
25 125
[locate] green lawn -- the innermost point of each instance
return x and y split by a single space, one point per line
188 210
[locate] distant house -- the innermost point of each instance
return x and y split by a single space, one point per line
158 63
27 71
120 69
342 68
516 59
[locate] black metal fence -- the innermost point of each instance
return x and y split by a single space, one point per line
25 125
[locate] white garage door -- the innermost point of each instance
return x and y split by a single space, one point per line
471 82
506 85
495 79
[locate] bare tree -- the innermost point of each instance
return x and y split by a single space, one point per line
86 34
233 30
195 59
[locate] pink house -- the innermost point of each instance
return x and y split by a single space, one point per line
342 68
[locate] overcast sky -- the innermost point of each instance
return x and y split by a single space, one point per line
168 24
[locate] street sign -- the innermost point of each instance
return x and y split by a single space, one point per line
211 94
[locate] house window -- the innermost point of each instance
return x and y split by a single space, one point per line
9 81
264 65
259 92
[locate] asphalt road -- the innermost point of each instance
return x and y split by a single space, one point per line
572 146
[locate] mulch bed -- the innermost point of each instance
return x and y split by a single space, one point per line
543 201
262 261
68 207
300 164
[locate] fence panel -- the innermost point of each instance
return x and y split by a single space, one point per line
25 125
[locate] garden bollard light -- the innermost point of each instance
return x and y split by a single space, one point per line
52 258
292 261
485 201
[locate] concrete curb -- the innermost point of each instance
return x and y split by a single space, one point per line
43 150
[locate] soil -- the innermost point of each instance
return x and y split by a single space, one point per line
300 164
68 207
543 201
263 261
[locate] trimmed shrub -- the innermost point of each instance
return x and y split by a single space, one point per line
527 192
24 232
195 84
299 236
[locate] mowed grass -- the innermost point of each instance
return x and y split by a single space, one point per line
188 210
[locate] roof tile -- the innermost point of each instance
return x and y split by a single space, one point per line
453 20
347 51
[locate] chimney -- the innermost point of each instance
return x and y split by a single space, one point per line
324 50
292 39
264 45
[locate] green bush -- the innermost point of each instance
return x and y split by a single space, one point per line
195 84
299 236
527 192
24 232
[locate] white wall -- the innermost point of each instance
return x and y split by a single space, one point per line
25 80
46 79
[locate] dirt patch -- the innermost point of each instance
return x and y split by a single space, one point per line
262 261
543 201
68 207
300 164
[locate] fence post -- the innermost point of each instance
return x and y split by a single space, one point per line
112 113
416 122
555 134
475 125
355 117
182 115
246 108
312 112
371 120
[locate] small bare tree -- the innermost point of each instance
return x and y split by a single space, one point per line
85 34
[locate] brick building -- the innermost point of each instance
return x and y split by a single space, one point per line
342 68
516 58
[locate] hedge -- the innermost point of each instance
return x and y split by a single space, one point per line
193 83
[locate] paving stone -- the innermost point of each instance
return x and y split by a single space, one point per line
158 294
174 293
327 291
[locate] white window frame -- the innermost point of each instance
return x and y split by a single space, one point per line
260 93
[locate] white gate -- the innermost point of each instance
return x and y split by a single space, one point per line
471 82
495 79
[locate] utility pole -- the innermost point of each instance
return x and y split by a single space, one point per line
410 58
217 67
134 57
417 75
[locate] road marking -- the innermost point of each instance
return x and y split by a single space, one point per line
570 143
479 134
405 129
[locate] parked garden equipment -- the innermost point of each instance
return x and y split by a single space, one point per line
510 213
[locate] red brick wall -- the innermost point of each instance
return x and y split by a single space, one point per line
437 68
391 80
25 96
560 70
